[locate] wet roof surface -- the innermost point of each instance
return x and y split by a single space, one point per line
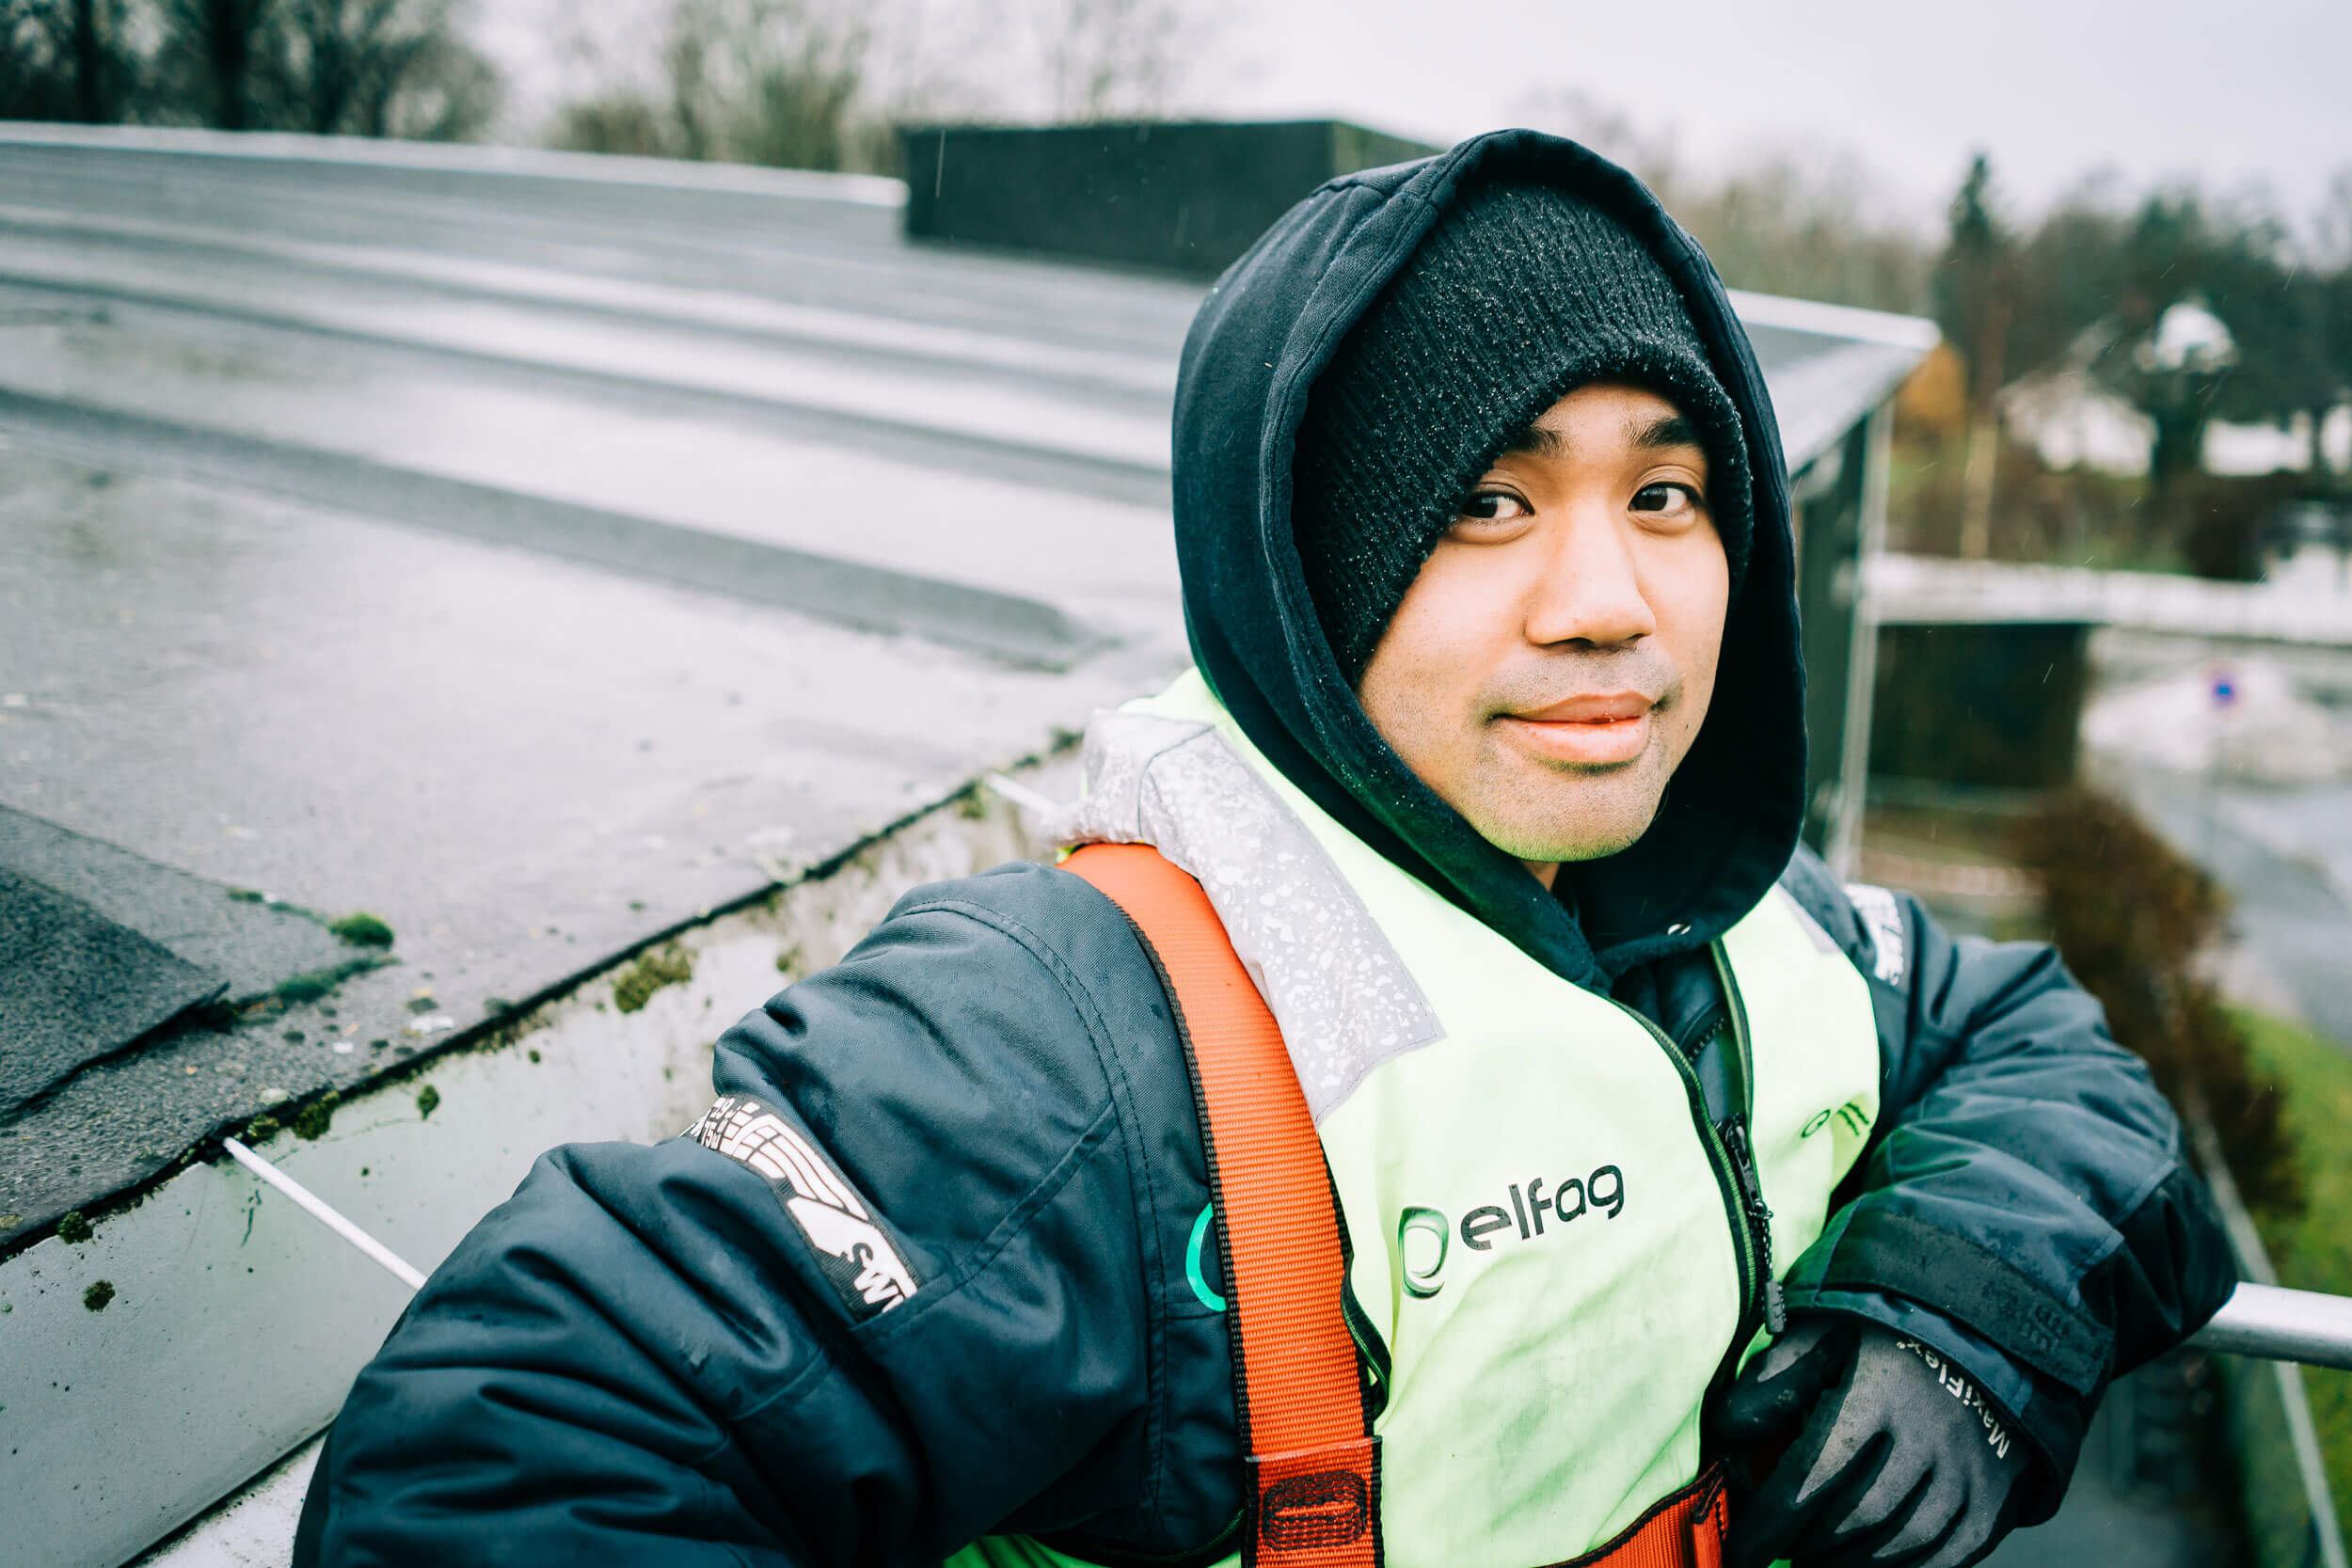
248 943
532 563
76 986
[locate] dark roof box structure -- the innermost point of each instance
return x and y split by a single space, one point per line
1990 703
1183 196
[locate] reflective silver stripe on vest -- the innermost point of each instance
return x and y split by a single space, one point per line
1345 1001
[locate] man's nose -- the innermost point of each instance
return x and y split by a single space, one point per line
1590 590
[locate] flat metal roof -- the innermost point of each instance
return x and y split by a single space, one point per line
539 553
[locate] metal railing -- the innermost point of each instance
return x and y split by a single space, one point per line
2282 1326
2285 1327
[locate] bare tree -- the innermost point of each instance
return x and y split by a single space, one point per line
1804 224
1108 59
220 62
796 110
66 59
764 81
778 82
90 72
818 84
36 73
350 61
939 60
450 91
617 120
369 67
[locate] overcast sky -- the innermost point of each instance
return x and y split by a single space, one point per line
2260 90
2253 91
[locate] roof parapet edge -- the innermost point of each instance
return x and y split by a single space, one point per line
861 190
1916 333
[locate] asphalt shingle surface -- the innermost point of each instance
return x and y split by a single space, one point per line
246 941
74 986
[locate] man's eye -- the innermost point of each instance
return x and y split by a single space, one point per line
1488 506
1664 496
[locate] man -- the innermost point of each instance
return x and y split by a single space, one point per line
1492 772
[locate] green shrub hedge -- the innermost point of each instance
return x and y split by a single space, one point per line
2312 1247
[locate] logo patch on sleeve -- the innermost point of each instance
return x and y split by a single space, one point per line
1883 918
858 1260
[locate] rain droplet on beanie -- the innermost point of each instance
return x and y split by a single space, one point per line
1520 294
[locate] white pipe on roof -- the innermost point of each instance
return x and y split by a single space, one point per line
324 1213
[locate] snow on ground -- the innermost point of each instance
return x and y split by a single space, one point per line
2244 718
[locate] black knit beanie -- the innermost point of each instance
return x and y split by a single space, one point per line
1520 294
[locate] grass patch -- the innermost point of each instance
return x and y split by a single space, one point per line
319 983
312 1121
639 981
2309 1248
363 931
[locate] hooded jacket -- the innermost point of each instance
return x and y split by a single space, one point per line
658 1351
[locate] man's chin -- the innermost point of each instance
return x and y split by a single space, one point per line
1594 834
1579 851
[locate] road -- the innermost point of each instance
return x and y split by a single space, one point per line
2284 858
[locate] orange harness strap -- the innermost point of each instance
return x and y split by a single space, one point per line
1314 1467
1313 1462
1683 1530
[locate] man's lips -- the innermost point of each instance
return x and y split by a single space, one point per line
1592 730
1604 707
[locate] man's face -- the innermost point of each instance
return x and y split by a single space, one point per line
1552 663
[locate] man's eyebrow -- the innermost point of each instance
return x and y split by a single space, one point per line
1673 430
1537 440
1667 430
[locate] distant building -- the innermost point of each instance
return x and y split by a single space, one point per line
2071 421
2309 548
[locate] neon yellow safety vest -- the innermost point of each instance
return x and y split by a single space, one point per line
1548 1238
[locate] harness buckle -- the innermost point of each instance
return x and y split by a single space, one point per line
1316 1499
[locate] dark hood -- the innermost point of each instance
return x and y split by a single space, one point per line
1730 818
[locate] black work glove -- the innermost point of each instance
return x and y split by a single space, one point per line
1894 1457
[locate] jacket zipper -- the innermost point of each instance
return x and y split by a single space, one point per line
1759 1214
1728 1183
1759 1220
1733 1159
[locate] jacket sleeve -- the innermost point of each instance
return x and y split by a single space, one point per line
2024 1205
676 1354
